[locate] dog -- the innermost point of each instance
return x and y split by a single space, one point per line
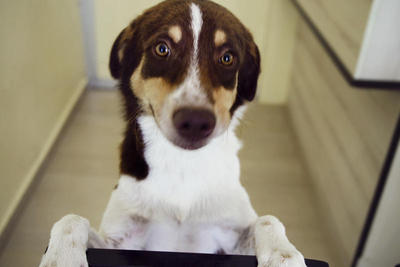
186 70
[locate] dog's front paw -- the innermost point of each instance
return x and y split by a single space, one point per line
281 258
273 249
68 243
61 258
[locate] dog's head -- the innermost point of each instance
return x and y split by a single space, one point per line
188 63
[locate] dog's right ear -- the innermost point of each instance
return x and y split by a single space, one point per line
126 40
116 56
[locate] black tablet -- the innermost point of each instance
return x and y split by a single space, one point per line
133 258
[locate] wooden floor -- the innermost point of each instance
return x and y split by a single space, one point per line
82 170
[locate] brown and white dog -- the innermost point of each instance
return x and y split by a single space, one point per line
185 69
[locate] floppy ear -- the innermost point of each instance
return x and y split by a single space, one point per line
115 57
248 73
126 40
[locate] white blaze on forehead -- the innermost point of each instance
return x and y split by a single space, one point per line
190 92
197 23
191 87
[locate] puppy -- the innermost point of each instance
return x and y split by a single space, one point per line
186 68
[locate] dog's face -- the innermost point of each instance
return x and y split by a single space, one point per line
190 64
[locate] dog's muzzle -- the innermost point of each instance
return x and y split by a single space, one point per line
194 125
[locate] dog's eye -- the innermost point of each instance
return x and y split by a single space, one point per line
162 50
226 59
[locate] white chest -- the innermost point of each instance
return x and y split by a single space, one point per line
188 237
188 183
192 200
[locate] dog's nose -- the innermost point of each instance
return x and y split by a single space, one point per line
194 124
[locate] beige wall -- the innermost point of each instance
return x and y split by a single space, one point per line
271 23
279 42
342 23
41 76
344 133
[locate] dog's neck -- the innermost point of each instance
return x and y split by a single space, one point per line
145 149
159 151
180 179
192 185
161 154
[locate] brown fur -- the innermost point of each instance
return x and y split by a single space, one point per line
151 92
223 102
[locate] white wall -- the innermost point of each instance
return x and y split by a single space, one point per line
272 23
383 243
379 56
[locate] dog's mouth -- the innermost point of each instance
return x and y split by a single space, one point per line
189 128
189 145
184 142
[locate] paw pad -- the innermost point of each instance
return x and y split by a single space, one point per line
266 223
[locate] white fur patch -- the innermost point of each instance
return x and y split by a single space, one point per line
197 23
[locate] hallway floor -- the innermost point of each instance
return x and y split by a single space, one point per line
82 170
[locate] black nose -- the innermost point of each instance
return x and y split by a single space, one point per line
194 124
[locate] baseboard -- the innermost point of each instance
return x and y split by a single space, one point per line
15 205
100 83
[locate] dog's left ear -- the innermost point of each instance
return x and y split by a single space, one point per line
249 72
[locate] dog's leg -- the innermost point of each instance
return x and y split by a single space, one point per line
267 238
272 245
69 239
